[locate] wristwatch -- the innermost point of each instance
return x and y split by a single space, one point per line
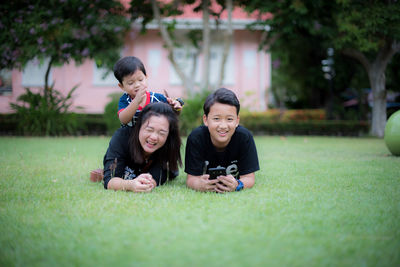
180 101
240 185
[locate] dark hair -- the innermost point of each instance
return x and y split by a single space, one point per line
223 96
127 66
169 153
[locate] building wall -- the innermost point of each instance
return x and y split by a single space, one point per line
250 67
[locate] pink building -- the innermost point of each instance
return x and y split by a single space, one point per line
247 70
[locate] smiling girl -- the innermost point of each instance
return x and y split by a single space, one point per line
142 157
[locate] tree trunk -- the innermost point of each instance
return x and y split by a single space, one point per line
227 43
46 79
377 82
206 45
187 82
194 56
376 75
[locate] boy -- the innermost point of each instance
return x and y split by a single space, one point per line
131 75
221 142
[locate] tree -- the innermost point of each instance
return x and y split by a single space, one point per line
61 31
58 31
158 10
369 32
365 30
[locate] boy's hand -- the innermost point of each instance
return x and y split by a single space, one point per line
227 184
140 96
175 104
206 185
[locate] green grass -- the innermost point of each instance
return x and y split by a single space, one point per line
317 202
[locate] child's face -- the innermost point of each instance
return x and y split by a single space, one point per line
221 121
131 84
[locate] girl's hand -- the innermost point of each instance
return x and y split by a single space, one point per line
143 183
149 179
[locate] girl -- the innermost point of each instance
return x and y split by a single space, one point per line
142 157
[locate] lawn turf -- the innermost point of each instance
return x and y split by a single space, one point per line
318 201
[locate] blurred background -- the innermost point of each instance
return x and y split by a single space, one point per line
298 67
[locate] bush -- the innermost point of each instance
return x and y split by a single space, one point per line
192 112
313 127
275 115
111 114
272 122
8 124
90 124
44 114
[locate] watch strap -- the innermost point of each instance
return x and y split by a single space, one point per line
240 185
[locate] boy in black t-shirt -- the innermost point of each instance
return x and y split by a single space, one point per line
221 143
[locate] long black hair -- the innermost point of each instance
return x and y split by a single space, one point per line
169 154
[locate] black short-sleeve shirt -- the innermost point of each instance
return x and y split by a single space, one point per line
239 157
118 152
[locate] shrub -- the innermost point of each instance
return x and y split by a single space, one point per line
192 112
90 124
111 114
275 115
44 114
312 127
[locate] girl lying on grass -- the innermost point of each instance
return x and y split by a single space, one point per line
147 155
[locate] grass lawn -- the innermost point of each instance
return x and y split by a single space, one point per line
318 201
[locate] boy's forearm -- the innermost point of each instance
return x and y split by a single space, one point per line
248 180
193 182
127 114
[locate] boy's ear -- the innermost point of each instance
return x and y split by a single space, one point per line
237 121
205 120
120 86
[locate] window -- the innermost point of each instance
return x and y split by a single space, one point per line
103 77
5 82
186 57
216 52
34 73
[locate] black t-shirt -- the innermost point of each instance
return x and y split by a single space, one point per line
239 157
118 151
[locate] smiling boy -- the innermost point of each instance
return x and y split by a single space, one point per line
221 142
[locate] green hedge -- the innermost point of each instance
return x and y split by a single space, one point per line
8 124
95 124
91 124
309 127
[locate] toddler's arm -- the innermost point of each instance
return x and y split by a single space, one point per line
127 114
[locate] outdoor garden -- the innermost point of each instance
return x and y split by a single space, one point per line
328 143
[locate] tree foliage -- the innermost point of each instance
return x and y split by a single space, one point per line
367 31
61 30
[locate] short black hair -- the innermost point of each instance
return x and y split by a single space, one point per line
223 96
127 66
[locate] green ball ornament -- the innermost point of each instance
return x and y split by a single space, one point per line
392 133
